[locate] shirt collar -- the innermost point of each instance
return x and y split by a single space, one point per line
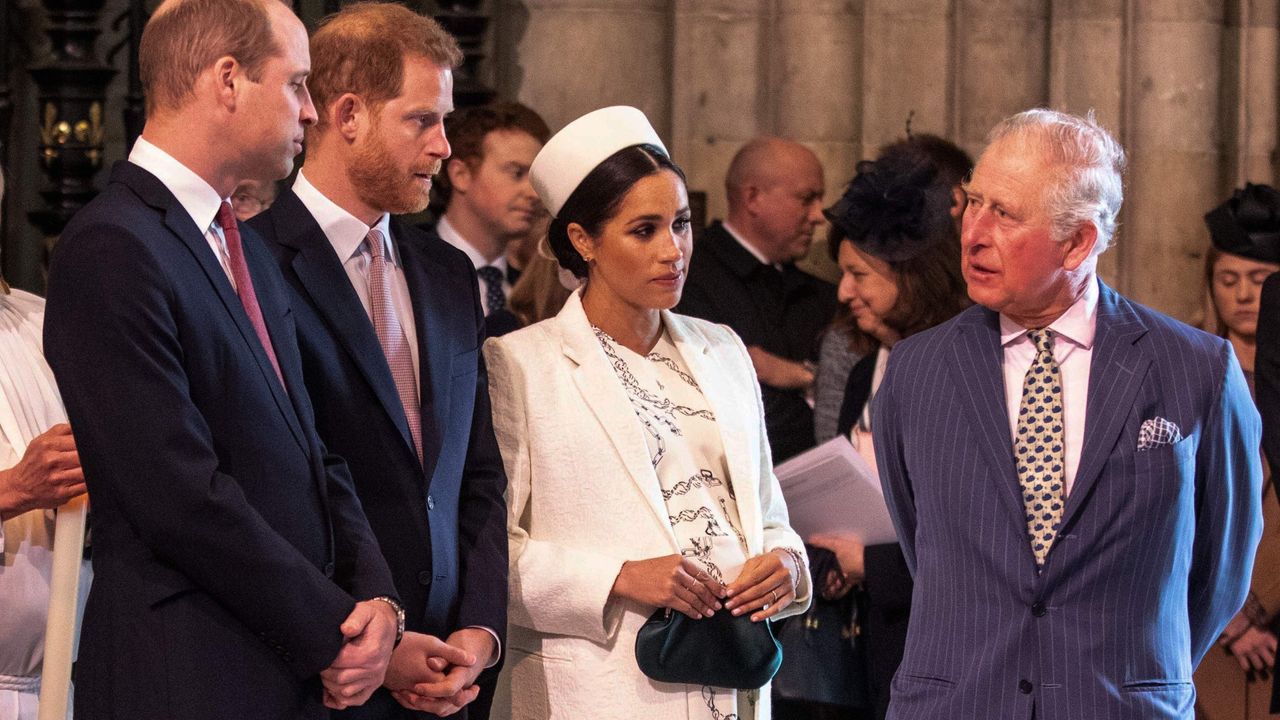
1078 324
195 195
346 232
748 246
450 234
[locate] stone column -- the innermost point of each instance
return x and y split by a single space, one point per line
1001 64
816 73
907 70
1173 145
1086 72
575 56
1251 62
720 95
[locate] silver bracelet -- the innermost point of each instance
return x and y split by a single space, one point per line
800 563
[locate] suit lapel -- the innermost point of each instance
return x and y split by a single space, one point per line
435 351
154 193
1116 371
734 414
326 283
608 401
979 379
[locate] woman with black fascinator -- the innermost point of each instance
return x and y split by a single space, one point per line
1232 682
898 248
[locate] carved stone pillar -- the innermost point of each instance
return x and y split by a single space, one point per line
1001 63
907 70
1173 148
720 95
580 55
71 93
1087 72
1251 91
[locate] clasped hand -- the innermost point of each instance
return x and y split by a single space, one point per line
369 634
765 586
438 676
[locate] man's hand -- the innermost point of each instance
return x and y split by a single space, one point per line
47 476
361 665
456 686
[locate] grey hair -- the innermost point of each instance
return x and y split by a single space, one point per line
1091 186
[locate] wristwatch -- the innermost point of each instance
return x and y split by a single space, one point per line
399 609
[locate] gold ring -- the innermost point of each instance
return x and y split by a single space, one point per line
774 593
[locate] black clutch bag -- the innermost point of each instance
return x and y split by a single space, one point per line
721 651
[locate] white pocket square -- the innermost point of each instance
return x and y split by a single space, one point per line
1157 432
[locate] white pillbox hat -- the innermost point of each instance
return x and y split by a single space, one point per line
580 146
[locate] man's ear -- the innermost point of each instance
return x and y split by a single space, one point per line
1079 245
227 75
460 174
348 114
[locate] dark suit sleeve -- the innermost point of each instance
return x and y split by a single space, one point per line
361 568
112 339
1267 370
890 446
1228 509
482 511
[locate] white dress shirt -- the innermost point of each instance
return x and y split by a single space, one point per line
1073 334
450 234
195 195
346 233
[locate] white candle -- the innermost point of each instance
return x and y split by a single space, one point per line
64 591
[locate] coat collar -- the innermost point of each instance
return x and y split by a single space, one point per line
608 402
151 191
325 282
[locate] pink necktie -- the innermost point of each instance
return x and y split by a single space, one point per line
391 336
244 283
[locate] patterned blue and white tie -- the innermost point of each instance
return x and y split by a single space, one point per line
495 297
1038 449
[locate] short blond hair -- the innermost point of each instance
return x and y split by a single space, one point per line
362 50
184 37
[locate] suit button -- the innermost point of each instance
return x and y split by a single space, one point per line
431 503
1038 609
1024 687
424 578
328 569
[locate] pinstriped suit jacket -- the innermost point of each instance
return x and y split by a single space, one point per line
1154 551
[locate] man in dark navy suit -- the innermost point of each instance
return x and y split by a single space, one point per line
390 326
235 573
1074 477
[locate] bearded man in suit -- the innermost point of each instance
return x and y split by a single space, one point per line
1074 477
390 326
235 573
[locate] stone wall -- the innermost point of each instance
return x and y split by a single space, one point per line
1189 86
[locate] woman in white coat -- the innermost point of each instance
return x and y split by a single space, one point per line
638 467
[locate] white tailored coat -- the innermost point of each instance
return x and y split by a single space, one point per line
583 497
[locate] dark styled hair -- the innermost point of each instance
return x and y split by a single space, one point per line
898 209
596 199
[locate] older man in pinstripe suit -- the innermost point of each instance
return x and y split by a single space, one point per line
1074 477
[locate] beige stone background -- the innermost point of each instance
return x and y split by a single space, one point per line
1190 87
